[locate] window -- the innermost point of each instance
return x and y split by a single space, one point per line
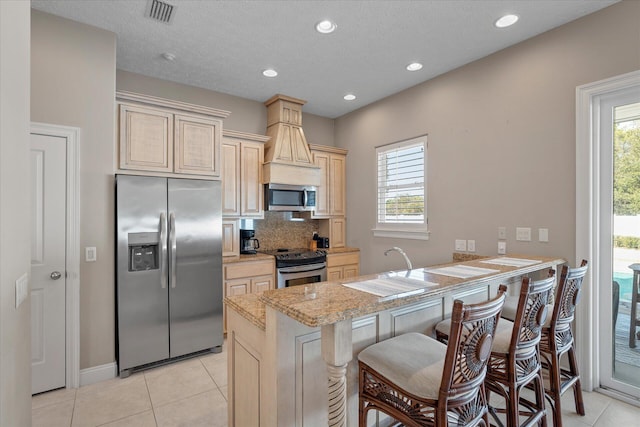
401 200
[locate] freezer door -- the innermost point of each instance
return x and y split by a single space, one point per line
141 271
195 266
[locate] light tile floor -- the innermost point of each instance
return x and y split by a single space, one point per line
193 392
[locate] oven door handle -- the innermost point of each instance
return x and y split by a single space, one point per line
302 268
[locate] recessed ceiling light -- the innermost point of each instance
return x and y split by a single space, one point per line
506 21
326 26
349 97
269 72
169 56
414 66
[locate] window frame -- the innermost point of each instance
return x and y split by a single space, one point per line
418 231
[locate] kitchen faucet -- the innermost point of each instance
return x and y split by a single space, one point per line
401 252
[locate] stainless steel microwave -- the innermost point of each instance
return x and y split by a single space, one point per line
285 197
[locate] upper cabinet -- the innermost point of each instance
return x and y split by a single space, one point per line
168 138
242 159
331 195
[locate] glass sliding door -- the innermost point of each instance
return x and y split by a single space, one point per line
619 239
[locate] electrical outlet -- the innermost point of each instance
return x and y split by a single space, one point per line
90 254
461 245
471 245
543 234
523 234
502 233
502 248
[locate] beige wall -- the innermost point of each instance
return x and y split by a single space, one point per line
73 84
15 259
501 135
246 115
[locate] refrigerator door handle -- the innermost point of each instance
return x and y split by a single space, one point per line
172 241
163 254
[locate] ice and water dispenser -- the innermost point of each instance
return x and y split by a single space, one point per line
143 251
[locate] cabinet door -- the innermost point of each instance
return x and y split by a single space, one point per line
252 157
237 287
351 271
230 238
231 179
337 232
261 284
146 138
337 184
197 145
322 209
334 273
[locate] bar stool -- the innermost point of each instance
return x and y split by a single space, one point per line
511 302
635 299
557 340
515 359
419 381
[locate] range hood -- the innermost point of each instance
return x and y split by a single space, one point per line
287 159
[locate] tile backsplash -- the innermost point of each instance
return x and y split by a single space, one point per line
277 230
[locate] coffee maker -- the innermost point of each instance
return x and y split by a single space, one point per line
248 242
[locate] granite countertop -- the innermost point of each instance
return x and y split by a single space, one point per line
333 302
246 257
346 249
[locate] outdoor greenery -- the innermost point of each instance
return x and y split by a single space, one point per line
405 205
626 242
626 176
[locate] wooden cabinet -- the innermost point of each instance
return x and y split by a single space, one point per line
331 195
243 156
168 138
248 277
335 229
230 238
343 266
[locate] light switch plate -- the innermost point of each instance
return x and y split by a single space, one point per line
502 233
461 245
502 248
471 245
523 234
543 234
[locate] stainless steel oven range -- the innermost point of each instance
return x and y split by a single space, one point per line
299 266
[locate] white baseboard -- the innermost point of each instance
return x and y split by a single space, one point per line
98 373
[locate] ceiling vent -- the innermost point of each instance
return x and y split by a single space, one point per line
160 11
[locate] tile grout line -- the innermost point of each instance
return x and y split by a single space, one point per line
146 384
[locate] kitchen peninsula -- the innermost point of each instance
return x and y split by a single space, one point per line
292 352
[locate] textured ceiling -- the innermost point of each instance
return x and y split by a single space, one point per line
225 45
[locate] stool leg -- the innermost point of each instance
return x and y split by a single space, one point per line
538 384
577 388
513 407
554 377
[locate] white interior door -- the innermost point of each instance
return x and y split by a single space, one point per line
48 261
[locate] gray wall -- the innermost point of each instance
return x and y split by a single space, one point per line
73 70
501 135
15 259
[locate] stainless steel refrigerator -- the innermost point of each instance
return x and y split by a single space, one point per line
168 269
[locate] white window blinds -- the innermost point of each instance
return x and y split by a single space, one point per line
401 185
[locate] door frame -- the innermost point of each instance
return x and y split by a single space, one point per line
72 243
589 219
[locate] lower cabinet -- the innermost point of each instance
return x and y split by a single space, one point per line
343 265
248 277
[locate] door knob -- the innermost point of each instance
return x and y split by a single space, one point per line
56 275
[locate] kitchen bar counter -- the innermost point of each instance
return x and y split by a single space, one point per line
278 340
